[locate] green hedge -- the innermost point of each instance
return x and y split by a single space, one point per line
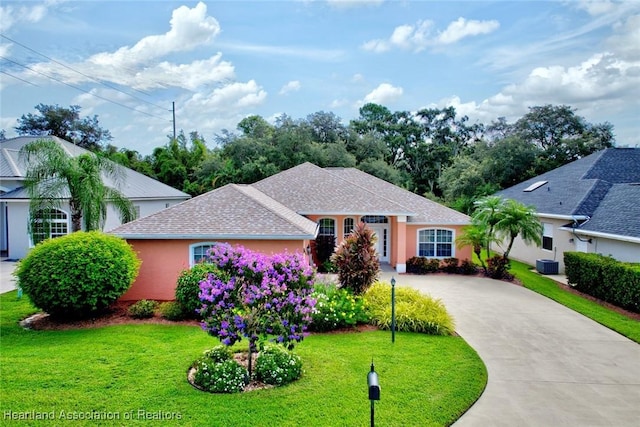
605 278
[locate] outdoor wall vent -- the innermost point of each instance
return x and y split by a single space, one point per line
534 186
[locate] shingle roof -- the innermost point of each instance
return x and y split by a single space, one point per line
599 186
229 212
309 189
135 185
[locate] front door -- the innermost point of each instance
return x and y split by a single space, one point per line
382 240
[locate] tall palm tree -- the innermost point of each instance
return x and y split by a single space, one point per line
488 213
518 219
53 176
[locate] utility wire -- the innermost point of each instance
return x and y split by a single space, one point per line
18 78
81 73
82 90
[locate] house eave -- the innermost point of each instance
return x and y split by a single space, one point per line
356 213
596 234
564 217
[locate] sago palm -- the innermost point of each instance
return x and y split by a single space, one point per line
53 175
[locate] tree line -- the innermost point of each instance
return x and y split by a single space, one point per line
433 152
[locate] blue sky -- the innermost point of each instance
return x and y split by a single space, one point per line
220 61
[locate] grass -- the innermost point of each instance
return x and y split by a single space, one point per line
137 375
622 324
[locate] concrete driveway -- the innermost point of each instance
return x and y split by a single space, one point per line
7 281
547 365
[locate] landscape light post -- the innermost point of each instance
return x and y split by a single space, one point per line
393 310
374 391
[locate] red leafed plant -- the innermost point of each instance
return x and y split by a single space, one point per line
356 259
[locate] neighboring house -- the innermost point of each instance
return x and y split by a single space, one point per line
285 212
590 205
147 195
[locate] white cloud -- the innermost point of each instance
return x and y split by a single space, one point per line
12 15
595 7
626 40
384 94
462 28
189 28
420 36
230 98
292 86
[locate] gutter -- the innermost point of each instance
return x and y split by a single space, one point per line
618 237
212 236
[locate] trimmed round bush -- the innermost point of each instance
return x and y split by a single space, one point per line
227 376
277 366
415 312
219 353
143 309
336 308
79 274
188 287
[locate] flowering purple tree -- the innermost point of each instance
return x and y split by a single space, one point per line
256 296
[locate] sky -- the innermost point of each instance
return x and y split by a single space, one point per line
221 61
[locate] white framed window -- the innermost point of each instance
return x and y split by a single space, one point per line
348 225
547 236
199 251
49 224
375 219
436 243
326 227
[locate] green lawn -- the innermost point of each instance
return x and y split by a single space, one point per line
622 324
139 372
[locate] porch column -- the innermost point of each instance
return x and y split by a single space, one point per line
401 247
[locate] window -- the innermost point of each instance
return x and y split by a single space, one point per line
547 236
49 223
136 210
348 226
198 251
375 219
327 227
435 243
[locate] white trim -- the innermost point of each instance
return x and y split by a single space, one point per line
68 224
132 236
567 217
402 218
344 231
335 226
401 268
618 237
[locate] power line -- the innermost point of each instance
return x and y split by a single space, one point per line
82 90
18 78
81 73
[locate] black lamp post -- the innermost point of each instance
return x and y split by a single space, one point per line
374 391
393 310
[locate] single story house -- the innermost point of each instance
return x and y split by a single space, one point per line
285 212
147 195
590 205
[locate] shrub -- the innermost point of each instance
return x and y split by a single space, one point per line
356 260
421 265
79 274
323 247
336 308
171 310
277 366
497 267
219 353
188 287
468 268
605 278
415 312
143 309
220 377
450 265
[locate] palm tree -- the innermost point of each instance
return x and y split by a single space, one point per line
518 219
488 213
53 175
474 235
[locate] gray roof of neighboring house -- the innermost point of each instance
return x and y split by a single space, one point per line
604 186
135 185
229 212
